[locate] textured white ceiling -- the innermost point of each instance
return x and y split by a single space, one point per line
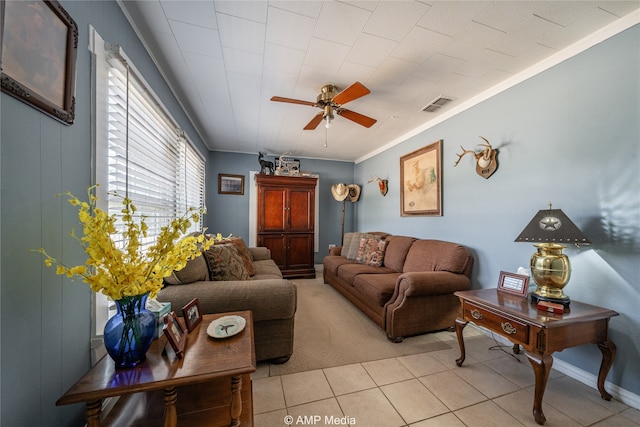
226 59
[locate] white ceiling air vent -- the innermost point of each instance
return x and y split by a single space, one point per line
437 104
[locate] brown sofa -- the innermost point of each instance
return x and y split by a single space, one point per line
412 292
271 298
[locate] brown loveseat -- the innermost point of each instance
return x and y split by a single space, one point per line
271 298
412 291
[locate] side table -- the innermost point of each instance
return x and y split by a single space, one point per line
206 362
540 333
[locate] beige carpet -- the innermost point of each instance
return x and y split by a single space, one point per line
330 331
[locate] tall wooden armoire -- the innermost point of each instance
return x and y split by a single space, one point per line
286 222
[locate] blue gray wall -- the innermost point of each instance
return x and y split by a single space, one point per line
45 320
570 136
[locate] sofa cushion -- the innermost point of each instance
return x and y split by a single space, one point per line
371 252
225 264
349 271
396 252
243 252
436 255
331 263
376 287
266 269
195 270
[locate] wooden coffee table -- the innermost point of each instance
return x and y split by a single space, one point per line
211 370
540 333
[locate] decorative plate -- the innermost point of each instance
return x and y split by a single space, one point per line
226 326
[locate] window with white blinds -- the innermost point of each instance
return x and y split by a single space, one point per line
140 152
150 159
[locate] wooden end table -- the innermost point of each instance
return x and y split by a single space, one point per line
540 333
206 361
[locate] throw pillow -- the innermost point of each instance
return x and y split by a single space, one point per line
350 245
225 264
371 252
243 252
194 271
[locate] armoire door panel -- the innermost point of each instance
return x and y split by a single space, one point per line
274 213
300 247
300 212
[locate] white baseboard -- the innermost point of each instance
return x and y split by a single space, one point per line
586 378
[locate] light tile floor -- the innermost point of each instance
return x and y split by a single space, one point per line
492 388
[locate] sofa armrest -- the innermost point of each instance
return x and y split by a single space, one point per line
336 250
424 283
260 253
268 299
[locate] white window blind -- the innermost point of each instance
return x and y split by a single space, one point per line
150 159
140 152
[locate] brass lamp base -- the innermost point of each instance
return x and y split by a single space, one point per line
551 271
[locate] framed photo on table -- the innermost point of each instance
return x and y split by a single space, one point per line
174 333
39 43
192 314
421 181
515 284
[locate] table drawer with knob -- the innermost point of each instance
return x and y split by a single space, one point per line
505 326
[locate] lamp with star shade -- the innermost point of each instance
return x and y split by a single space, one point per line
551 229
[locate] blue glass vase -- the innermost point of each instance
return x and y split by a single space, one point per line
129 333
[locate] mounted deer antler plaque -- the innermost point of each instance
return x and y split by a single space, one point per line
486 162
383 184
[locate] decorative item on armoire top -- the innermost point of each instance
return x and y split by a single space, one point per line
287 166
551 268
421 181
486 160
383 184
266 166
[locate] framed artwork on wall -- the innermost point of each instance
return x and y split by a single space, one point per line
230 184
39 47
421 181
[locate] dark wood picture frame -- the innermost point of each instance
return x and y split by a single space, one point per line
230 184
421 181
516 284
192 314
39 44
174 333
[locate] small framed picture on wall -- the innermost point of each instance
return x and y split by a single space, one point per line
230 184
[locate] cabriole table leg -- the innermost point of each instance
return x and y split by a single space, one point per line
608 350
541 367
460 324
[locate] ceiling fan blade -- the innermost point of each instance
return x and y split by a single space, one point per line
356 117
354 91
314 122
293 101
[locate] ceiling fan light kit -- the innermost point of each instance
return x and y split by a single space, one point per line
330 101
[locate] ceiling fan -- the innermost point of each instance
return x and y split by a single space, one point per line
330 101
